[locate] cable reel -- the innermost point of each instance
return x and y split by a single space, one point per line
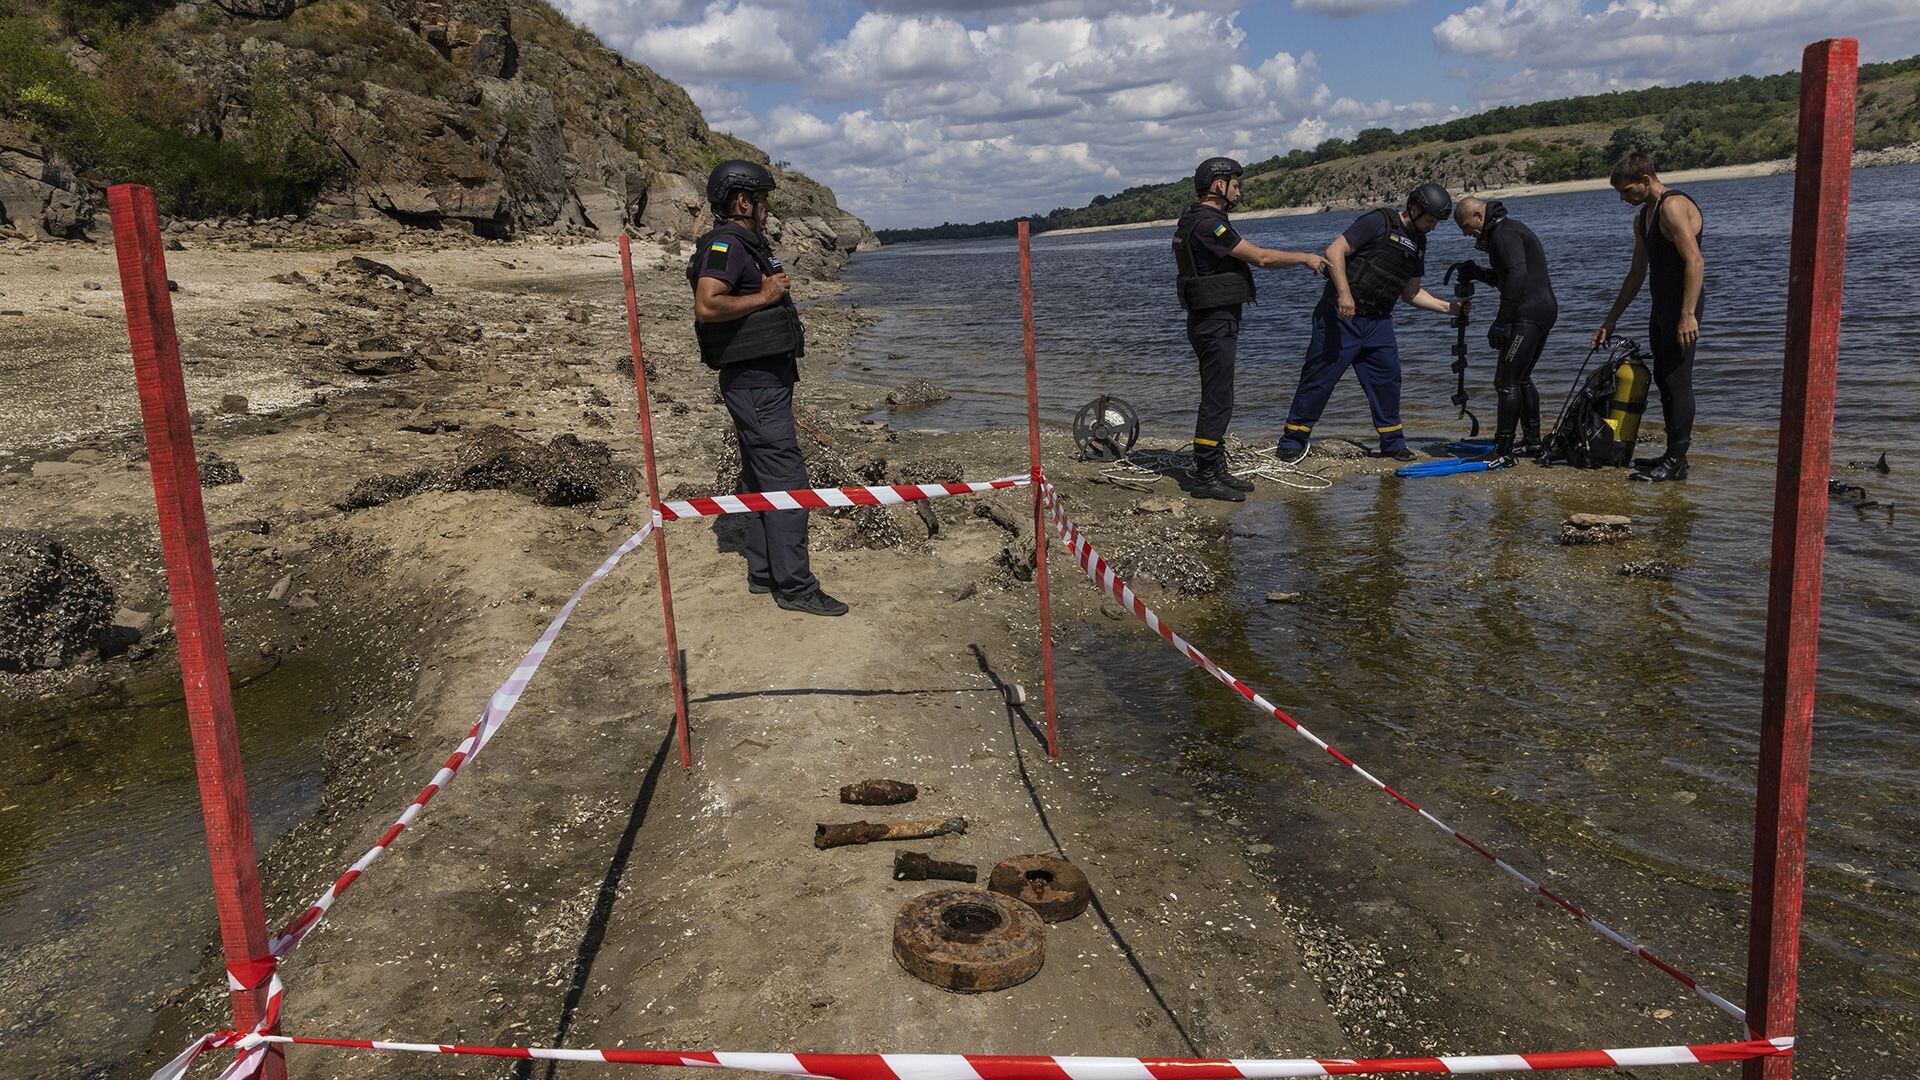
1105 429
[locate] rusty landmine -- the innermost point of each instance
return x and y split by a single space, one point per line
969 940
1052 886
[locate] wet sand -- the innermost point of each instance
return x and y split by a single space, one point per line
577 886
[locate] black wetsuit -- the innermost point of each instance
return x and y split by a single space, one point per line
1672 363
1526 314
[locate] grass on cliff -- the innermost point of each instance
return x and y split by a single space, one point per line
126 126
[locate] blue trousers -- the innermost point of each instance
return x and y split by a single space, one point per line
770 460
1367 346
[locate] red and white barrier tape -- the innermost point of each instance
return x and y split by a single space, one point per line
829 498
499 706
253 1047
1101 574
998 1067
502 703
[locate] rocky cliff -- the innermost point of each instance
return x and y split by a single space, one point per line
495 117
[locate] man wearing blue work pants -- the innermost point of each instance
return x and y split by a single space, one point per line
750 333
1371 267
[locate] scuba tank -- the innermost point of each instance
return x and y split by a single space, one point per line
1630 381
1600 421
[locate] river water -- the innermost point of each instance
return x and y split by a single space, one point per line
1603 726
86 957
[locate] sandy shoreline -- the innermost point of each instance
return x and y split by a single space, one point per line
578 888
693 899
1683 176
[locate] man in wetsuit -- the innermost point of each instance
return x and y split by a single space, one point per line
1527 313
1371 267
1666 247
750 333
1213 265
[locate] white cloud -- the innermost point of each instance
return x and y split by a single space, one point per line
1342 9
1583 46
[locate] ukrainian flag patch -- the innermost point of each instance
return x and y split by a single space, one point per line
1220 230
720 246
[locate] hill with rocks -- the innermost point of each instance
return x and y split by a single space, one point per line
489 117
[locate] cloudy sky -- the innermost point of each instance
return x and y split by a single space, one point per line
922 111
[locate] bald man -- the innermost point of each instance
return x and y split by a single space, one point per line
1527 312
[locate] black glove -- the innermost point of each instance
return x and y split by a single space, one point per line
1498 335
1473 271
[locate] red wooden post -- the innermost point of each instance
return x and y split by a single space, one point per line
1817 264
653 500
1040 530
196 604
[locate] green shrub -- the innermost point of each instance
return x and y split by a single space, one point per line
1484 147
191 175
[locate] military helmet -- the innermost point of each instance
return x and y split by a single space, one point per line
730 177
1431 199
1213 169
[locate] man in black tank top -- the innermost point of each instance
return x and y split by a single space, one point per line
1666 248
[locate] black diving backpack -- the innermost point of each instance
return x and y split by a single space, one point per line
1600 421
1583 438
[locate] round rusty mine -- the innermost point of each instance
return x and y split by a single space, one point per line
1052 886
969 940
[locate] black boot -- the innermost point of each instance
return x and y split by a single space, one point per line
1530 444
1210 481
1502 445
812 602
1223 475
1671 468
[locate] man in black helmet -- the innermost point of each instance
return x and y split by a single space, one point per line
1215 277
1527 313
750 332
1371 267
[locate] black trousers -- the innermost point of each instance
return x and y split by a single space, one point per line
770 461
1215 337
1673 377
1513 380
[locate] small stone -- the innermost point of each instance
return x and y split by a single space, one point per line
1283 598
577 312
91 286
917 392
1595 529
216 471
1154 506
139 622
303 600
380 364
1650 569
11 311
280 587
312 337
234 404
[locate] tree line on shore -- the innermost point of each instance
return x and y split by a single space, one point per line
1697 125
